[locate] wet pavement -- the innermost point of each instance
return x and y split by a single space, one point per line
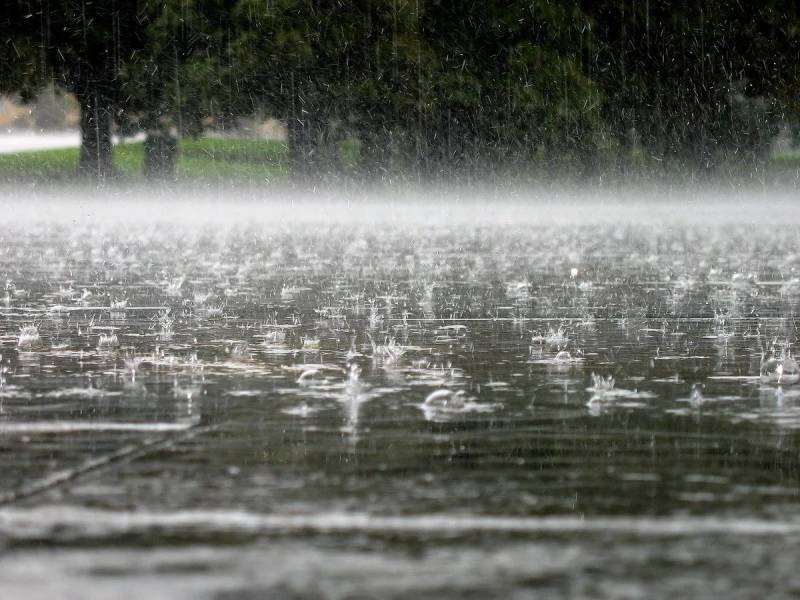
249 409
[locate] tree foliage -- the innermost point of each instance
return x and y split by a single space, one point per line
427 88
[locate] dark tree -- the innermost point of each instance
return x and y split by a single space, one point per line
333 69
81 46
177 83
508 88
698 84
431 87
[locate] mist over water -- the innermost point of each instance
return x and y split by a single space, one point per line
437 206
391 392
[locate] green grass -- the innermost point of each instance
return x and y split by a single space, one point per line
252 161
41 163
786 163
247 161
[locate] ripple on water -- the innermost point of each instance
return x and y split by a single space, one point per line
340 365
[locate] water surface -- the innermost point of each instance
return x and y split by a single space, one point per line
389 407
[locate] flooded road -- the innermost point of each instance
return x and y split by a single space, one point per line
248 408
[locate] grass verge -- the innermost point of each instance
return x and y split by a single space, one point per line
248 161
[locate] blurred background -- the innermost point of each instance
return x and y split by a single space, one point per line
399 90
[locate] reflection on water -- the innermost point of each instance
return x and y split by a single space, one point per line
400 387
